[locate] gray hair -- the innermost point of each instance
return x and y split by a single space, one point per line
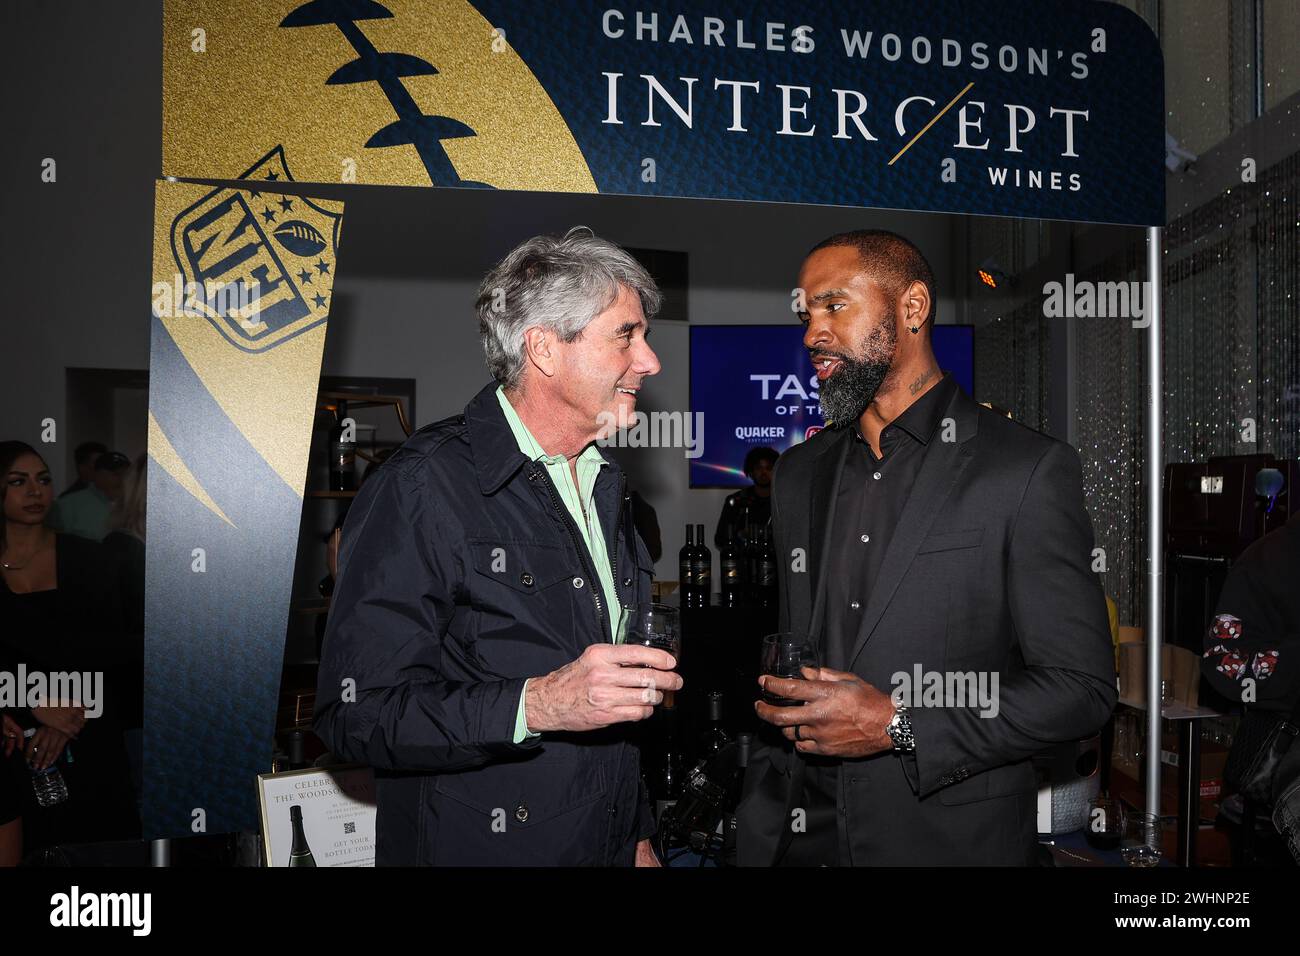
557 283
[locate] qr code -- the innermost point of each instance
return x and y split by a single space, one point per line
349 827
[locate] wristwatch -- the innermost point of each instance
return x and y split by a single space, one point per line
900 730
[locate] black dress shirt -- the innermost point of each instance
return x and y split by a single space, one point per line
871 497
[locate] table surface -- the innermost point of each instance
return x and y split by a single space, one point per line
1173 711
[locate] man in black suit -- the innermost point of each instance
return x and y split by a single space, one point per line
925 543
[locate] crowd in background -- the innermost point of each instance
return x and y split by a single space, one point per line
72 601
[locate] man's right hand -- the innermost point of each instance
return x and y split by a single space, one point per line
597 689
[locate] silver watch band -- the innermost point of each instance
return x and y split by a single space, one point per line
900 730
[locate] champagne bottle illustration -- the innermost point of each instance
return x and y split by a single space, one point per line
300 855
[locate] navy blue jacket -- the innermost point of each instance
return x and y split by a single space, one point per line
461 574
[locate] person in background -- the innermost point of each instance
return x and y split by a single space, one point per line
1251 652
88 512
125 542
61 613
125 546
752 506
84 456
646 520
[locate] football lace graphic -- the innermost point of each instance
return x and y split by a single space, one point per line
412 127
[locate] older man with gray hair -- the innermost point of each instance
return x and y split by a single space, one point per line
470 656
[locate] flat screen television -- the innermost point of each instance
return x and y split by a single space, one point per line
755 386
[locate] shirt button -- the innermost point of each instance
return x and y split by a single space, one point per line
866 538
855 605
526 579
876 476
521 813
627 582
577 582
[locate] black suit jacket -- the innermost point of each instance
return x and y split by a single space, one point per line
987 572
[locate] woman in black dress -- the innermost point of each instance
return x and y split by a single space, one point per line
60 604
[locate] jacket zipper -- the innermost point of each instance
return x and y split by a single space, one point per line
602 617
618 524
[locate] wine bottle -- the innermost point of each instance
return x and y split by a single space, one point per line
715 736
343 453
300 854
670 768
751 559
686 567
297 749
736 786
702 569
729 573
767 568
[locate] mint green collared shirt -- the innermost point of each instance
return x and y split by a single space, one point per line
581 504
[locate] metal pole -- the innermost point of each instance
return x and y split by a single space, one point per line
160 852
1155 525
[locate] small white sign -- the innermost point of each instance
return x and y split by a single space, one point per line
338 815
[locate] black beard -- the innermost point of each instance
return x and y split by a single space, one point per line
846 394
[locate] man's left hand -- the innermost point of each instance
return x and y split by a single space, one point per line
843 716
645 855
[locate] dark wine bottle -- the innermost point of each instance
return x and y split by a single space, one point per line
300 854
752 555
296 746
730 578
686 566
715 735
766 568
343 452
671 765
736 785
702 569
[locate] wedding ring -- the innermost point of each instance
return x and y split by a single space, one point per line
796 733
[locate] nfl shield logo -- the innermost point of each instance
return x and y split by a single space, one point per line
258 265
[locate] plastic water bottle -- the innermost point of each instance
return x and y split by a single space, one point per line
48 784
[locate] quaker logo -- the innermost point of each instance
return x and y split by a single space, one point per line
812 430
256 264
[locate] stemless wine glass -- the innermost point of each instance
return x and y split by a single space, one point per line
1105 826
785 654
652 625
1140 843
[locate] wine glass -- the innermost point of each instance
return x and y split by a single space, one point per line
1105 826
652 625
785 654
1140 841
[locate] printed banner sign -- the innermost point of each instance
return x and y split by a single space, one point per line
1046 111
242 282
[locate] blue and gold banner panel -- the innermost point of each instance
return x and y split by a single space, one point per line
242 286
1049 110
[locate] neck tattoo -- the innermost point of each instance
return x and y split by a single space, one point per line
920 382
